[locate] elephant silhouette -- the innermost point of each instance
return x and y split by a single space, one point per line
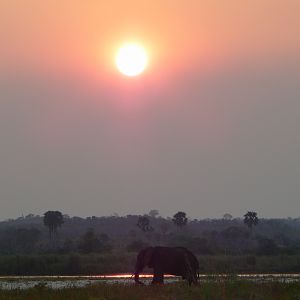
177 261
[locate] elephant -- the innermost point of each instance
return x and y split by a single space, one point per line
177 261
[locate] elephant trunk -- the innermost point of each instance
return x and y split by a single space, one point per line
137 278
138 270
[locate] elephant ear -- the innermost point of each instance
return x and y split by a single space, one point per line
148 257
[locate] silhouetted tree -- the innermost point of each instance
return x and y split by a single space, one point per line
17 236
180 219
53 220
144 224
227 217
153 213
251 219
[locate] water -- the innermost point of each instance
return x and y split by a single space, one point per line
60 282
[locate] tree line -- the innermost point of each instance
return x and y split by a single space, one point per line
55 232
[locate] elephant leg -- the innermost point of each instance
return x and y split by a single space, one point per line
190 274
192 279
158 276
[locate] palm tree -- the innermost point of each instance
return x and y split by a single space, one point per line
180 219
251 219
53 220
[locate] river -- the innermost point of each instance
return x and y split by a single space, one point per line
59 282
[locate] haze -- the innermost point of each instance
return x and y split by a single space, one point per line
212 127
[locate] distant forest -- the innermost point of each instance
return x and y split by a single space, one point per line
115 238
234 236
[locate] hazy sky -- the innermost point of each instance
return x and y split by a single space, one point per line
212 126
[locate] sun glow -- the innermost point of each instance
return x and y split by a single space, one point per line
131 59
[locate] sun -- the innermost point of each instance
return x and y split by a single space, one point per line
131 59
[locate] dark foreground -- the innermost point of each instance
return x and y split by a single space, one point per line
209 290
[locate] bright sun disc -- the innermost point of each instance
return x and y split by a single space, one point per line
131 59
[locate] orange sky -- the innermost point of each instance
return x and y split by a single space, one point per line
211 127
178 34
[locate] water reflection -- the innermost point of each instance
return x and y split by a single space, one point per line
59 282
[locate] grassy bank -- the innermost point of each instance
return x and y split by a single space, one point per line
95 264
210 290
